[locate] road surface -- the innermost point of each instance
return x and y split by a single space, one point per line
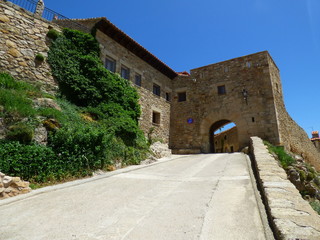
207 196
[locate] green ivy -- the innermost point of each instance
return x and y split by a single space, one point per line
83 80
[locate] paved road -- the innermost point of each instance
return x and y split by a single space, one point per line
191 197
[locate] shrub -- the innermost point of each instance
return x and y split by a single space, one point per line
53 34
82 145
28 161
39 57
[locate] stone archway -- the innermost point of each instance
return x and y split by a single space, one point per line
213 122
223 137
213 128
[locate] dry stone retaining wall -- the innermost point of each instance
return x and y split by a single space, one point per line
291 216
23 36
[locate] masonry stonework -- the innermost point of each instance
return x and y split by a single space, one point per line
181 109
23 36
253 113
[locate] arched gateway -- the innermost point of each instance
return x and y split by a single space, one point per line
242 90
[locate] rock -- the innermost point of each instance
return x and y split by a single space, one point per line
46 102
20 184
312 189
51 124
14 52
160 150
27 52
10 44
2 175
41 135
245 150
23 64
12 186
7 181
298 158
4 19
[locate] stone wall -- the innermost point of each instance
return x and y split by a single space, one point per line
290 216
23 36
254 115
292 136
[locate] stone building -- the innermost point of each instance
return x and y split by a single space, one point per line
226 141
183 109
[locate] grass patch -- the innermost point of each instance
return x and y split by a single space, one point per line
316 206
284 158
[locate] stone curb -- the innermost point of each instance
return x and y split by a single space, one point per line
86 180
290 216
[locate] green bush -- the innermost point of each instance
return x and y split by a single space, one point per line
53 34
39 57
82 145
30 162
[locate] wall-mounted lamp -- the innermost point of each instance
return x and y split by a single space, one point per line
245 95
194 80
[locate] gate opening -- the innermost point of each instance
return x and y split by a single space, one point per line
223 137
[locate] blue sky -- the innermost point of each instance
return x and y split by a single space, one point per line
187 34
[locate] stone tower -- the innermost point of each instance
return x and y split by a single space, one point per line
239 90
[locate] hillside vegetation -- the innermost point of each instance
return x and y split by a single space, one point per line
94 125
301 174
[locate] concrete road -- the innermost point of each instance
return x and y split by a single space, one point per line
191 197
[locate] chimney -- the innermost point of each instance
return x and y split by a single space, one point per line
315 134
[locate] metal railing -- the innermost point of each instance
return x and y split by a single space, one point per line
29 5
48 14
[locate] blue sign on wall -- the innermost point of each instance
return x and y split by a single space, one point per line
190 120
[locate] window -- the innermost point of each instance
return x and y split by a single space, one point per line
156 89
248 64
125 72
226 69
253 120
222 90
137 80
110 64
168 96
182 97
156 118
